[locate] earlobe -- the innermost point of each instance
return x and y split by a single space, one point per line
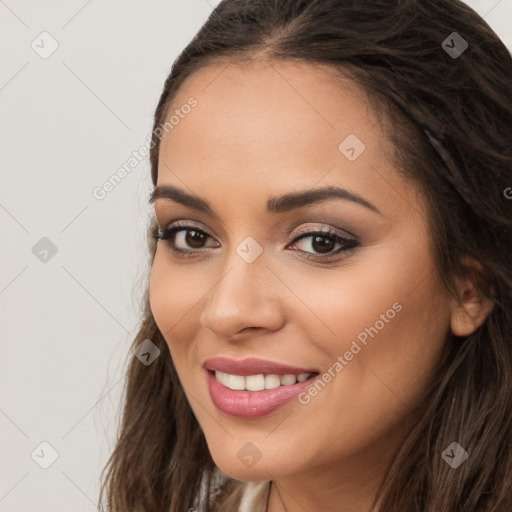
472 307
468 318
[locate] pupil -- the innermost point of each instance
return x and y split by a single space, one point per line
322 247
194 238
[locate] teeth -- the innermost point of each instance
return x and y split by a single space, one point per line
286 380
254 382
272 381
258 382
236 382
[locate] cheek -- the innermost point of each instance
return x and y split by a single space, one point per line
172 292
175 300
166 301
160 301
339 307
387 322
398 339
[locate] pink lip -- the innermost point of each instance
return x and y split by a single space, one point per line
253 366
252 404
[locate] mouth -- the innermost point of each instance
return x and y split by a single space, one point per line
253 387
260 381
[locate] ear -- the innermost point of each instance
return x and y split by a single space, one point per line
472 307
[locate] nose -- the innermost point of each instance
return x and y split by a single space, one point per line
245 298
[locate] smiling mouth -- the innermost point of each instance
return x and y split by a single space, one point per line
259 382
257 394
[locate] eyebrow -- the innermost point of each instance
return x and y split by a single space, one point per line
280 204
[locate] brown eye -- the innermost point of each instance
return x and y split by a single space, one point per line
194 238
188 240
323 243
184 239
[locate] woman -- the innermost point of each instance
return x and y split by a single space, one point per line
331 291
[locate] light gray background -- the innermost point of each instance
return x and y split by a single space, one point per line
68 123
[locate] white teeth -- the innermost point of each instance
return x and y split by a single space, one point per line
222 378
255 382
258 382
236 382
272 381
287 380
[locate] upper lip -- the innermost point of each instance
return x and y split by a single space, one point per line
252 366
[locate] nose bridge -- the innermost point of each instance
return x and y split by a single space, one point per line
242 297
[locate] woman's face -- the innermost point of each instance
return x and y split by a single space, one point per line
366 314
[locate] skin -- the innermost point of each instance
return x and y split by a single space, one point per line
260 131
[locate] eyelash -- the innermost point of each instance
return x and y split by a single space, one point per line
350 244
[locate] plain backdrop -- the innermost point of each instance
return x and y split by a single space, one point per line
72 266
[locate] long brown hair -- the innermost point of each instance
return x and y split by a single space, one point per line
449 118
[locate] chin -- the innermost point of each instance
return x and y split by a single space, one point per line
243 462
233 469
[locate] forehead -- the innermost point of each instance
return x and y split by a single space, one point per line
279 104
276 126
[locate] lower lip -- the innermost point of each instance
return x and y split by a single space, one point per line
253 404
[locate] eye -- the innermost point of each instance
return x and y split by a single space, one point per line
184 235
323 242
192 239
